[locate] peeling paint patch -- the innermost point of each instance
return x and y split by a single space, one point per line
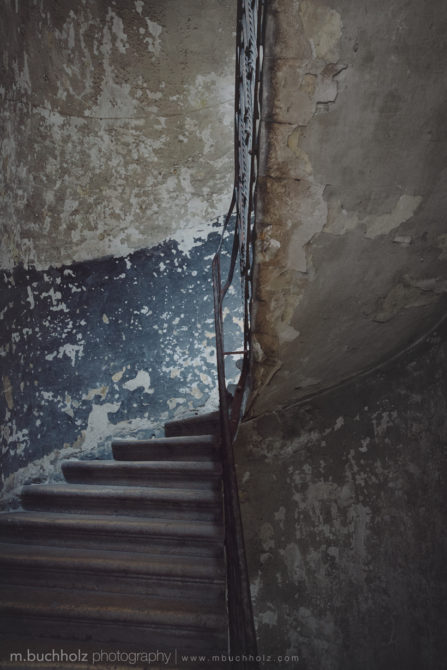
118 375
87 378
340 221
173 402
339 423
153 42
382 225
402 296
117 105
142 380
266 535
268 618
323 28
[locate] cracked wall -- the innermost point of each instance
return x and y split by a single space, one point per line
117 126
350 218
347 552
341 458
117 161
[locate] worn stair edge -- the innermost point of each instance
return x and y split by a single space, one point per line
111 617
194 425
104 607
139 501
185 448
194 474
175 537
16 557
152 586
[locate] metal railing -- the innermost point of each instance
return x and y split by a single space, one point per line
247 124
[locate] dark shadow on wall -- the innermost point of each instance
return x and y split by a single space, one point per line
344 501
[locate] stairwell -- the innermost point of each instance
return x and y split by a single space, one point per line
126 555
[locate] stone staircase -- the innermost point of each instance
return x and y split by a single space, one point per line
127 554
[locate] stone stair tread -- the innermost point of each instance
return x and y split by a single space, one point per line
189 424
207 570
183 448
134 610
141 501
182 440
143 493
201 467
118 524
126 550
144 473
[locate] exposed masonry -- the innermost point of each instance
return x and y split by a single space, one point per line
111 347
350 233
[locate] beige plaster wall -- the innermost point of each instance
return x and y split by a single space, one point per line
115 125
351 238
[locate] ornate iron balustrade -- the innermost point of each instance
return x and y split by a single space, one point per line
249 43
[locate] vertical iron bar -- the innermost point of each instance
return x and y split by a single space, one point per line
242 633
246 144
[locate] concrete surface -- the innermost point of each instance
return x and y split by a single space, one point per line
344 507
351 236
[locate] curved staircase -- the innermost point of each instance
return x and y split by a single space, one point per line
126 555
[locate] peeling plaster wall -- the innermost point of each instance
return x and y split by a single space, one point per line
344 508
351 233
105 348
116 125
117 160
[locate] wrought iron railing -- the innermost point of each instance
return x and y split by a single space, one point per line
249 47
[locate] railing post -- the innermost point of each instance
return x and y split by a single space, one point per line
247 102
242 632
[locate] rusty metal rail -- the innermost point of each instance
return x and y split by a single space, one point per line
249 45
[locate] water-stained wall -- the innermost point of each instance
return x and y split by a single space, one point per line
344 505
116 125
116 147
351 234
343 486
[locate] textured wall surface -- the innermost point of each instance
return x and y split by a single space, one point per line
351 206
116 125
116 132
110 347
343 482
344 504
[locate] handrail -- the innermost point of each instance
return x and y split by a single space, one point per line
250 14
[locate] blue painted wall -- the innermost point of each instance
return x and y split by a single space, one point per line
109 347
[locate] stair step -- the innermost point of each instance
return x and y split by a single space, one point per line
168 537
159 503
187 474
187 448
113 571
162 624
202 424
